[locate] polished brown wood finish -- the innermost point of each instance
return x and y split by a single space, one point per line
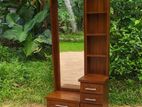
55 42
96 15
72 97
63 99
94 78
94 90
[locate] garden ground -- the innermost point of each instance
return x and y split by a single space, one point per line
121 92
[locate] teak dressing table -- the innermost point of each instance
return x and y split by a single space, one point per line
93 91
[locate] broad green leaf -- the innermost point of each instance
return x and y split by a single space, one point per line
26 12
30 46
45 37
40 16
29 25
16 34
11 19
36 20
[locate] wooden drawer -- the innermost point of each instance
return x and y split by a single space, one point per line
92 98
90 105
61 104
92 88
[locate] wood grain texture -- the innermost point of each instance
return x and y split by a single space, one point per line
96 25
94 78
55 42
92 88
92 98
64 96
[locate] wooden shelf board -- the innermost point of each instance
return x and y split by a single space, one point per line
97 34
94 78
93 13
97 56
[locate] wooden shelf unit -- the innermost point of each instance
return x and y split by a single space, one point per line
96 25
96 31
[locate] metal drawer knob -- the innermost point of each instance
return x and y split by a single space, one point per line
90 99
90 89
61 106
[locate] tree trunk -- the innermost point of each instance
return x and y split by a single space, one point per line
72 16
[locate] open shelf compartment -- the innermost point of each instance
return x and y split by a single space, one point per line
96 46
96 66
96 24
96 5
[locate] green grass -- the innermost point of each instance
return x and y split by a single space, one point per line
24 81
72 42
71 46
30 81
125 92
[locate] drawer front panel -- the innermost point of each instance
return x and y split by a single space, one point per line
94 99
61 104
92 88
90 105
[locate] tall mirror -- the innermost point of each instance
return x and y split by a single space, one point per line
71 61
71 49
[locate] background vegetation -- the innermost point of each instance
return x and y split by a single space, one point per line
25 50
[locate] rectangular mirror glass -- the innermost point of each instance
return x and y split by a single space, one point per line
71 59
71 44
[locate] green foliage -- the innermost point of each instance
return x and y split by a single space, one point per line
64 19
21 27
30 46
16 33
6 54
126 40
12 19
74 37
71 42
36 20
78 8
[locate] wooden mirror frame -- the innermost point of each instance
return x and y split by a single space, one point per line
56 47
55 43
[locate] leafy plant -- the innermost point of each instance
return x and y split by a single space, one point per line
22 29
64 19
126 40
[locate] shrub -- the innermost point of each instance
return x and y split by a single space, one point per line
126 40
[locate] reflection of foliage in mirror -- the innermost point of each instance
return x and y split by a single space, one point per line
26 20
64 15
78 11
